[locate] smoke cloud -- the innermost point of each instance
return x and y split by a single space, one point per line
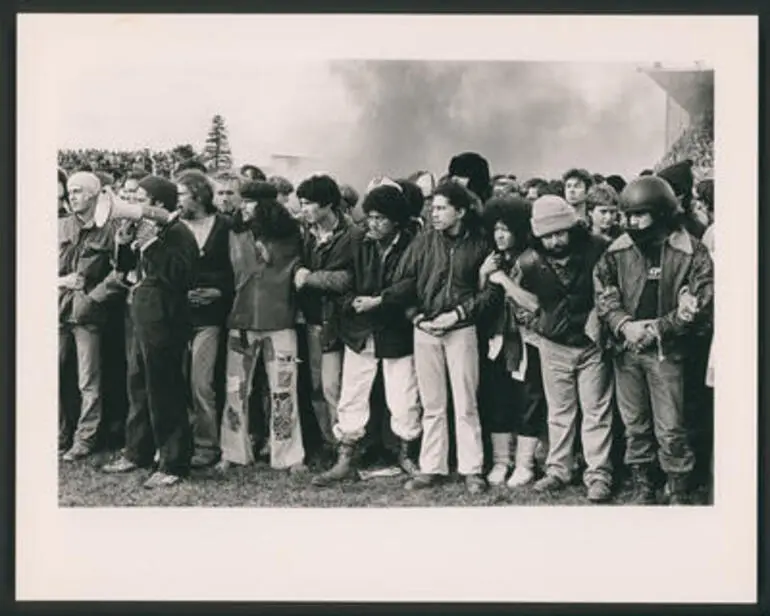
526 118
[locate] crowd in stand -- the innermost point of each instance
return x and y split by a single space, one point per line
696 143
463 323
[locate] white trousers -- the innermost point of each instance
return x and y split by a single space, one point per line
401 394
457 354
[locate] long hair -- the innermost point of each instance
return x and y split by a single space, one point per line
515 213
272 221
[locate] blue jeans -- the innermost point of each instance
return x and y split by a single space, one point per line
650 396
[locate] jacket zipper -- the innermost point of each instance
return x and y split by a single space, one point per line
451 273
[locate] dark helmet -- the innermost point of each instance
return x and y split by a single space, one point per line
648 194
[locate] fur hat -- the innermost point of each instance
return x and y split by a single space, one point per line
389 201
474 167
254 190
617 182
160 189
551 214
679 176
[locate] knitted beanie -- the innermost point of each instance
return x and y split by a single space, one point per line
160 189
474 167
388 201
551 214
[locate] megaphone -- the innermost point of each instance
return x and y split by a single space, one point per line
110 206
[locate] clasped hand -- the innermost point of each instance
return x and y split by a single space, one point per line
365 303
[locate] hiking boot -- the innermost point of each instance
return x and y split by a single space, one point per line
678 491
78 451
599 491
159 479
120 465
549 483
343 468
644 490
498 474
407 456
422 481
475 484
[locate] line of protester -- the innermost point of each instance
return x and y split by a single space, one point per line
484 318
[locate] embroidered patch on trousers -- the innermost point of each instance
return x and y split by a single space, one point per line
285 378
282 416
233 419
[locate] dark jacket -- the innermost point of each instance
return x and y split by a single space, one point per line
330 264
87 251
371 274
621 274
214 270
439 274
168 271
265 299
502 322
565 305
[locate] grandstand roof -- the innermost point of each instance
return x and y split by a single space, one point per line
691 88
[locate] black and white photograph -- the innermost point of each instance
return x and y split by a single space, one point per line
295 277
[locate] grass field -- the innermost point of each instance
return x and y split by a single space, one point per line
82 484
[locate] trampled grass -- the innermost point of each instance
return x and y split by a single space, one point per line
83 484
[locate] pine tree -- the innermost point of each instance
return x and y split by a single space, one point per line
217 151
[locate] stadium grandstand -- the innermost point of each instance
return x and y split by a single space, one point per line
689 115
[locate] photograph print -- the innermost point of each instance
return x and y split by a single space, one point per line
384 282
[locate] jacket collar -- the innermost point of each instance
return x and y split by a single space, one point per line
678 240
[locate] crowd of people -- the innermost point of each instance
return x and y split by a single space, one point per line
696 143
464 322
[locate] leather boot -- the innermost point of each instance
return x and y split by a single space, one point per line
407 455
677 488
343 468
644 490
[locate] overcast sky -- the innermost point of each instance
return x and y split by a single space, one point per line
158 86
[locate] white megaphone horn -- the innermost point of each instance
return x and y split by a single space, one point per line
110 206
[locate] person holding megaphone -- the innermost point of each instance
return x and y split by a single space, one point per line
84 264
163 253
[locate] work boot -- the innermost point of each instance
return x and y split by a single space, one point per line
475 484
677 487
407 456
599 491
524 471
423 481
644 490
549 483
343 468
